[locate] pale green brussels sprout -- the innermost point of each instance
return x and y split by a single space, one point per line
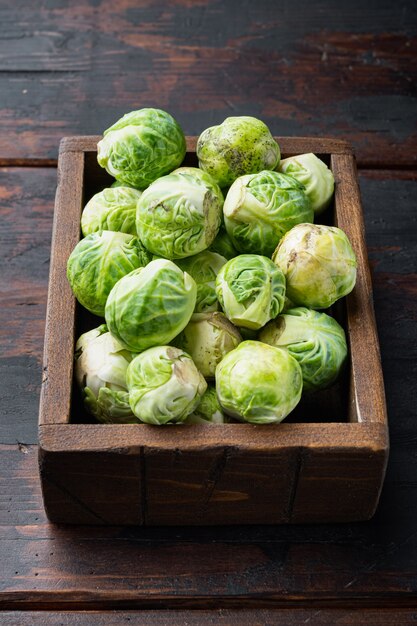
208 411
314 339
238 146
98 261
113 208
224 245
250 290
258 383
142 146
151 305
204 267
319 265
164 385
207 338
195 172
316 177
180 214
100 371
260 208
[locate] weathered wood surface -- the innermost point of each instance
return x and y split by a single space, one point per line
221 617
44 566
329 68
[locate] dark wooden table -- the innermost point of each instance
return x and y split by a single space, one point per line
326 68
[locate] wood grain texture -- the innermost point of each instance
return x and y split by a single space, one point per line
26 210
222 617
344 69
50 566
59 334
366 371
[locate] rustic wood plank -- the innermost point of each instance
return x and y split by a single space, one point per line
76 487
368 564
197 475
75 68
26 209
223 617
366 371
60 314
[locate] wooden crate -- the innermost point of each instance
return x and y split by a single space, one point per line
325 463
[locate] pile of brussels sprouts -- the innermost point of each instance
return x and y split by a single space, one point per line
211 280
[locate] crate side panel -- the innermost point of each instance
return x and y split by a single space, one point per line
91 487
226 485
59 332
368 386
339 485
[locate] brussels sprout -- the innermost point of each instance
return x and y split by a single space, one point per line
179 215
151 305
142 146
258 383
204 267
260 208
240 145
316 177
100 371
98 261
195 172
224 245
319 265
207 338
208 411
314 339
250 290
111 209
164 385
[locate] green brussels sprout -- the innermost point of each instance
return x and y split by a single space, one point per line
195 172
238 146
179 215
207 338
258 383
260 208
98 261
250 290
204 267
224 245
314 339
111 209
319 265
316 177
208 411
142 146
164 385
151 305
100 371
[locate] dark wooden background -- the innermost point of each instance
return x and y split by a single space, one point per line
326 68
